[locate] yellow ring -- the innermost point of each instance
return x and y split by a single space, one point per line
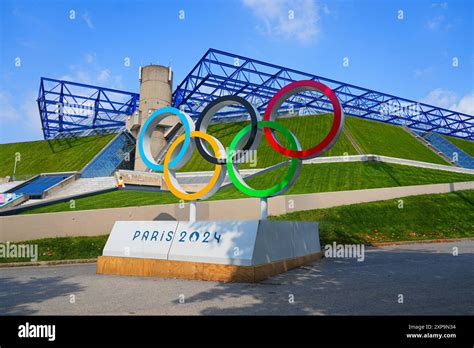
217 170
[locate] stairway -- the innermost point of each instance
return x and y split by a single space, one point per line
112 157
449 150
419 136
353 142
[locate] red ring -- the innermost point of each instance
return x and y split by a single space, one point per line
329 137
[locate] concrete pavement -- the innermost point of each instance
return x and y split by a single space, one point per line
431 279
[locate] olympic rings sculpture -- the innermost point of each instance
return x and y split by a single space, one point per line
248 138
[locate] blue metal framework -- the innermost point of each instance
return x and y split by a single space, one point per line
70 108
221 73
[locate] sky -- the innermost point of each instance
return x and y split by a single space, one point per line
421 50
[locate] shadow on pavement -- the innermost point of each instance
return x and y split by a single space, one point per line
431 282
31 291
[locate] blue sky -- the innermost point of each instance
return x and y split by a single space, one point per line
408 53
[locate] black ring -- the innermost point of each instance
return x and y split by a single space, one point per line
214 107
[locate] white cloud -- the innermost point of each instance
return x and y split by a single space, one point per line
435 23
423 71
8 112
326 10
104 75
30 113
450 100
96 74
88 71
92 73
442 5
465 105
21 114
440 97
90 58
77 73
87 18
31 44
439 21
302 24
117 82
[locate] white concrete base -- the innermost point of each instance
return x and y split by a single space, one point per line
242 243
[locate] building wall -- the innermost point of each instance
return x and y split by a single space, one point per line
156 84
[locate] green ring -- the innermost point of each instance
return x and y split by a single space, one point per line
275 189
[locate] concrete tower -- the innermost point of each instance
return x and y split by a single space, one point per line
156 83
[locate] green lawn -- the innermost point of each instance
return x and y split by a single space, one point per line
440 216
58 155
388 140
465 145
64 248
373 137
313 178
423 217
308 129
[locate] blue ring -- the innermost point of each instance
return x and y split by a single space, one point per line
187 137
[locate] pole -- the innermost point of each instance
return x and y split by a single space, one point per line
14 169
263 208
192 211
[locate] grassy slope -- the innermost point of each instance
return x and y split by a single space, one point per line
313 178
449 215
373 137
465 145
389 140
309 130
58 155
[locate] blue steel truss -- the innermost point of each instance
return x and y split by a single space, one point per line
70 108
221 73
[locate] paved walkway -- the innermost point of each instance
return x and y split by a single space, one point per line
430 278
85 185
